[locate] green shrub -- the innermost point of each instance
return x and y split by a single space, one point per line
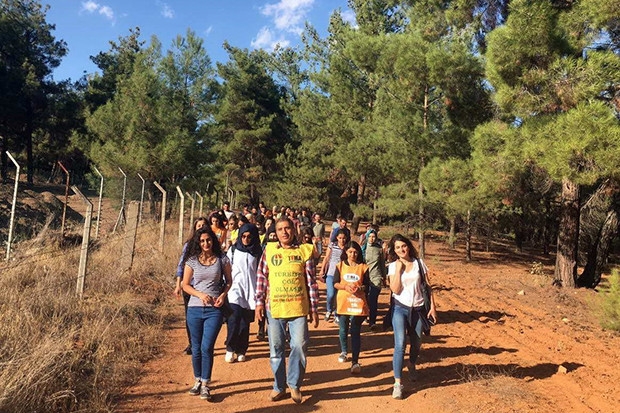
610 303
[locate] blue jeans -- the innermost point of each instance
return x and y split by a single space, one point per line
356 328
238 329
298 329
373 303
204 326
330 301
400 323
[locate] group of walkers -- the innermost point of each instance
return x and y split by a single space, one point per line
260 265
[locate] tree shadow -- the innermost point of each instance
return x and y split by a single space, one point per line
453 316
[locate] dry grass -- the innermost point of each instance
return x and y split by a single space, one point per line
59 353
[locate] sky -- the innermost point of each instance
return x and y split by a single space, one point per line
87 26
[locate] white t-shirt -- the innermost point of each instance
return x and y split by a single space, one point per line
411 295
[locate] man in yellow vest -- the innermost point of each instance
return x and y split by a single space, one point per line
286 292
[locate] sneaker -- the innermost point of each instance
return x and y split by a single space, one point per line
276 395
230 357
328 315
241 357
188 350
295 395
260 336
374 328
413 373
336 320
397 393
205 393
356 368
342 357
195 390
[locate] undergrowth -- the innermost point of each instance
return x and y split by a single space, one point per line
610 303
59 353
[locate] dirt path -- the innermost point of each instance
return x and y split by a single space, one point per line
506 342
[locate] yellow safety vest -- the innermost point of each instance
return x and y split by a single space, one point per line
347 303
288 291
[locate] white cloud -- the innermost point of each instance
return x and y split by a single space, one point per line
166 10
89 6
209 30
349 17
288 15
94 7
266 39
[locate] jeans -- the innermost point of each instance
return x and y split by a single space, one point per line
373 303
298 329
356 329
330 301
204 326
238 329
400 323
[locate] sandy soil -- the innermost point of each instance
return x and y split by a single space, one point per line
507 341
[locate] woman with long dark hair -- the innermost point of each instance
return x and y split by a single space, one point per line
414 306
178 290
207 279
332 258
219 229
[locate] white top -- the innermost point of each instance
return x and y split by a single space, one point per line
411 295
243 289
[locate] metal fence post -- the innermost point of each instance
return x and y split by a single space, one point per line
191 213
129 244
12 220
141 200
64 207
85 241
121 214
199 196
162 224
99 203
180 192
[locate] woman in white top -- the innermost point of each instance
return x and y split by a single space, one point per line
408 281
244 256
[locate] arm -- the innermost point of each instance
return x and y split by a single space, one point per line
395 282
313 291
179 274
262 282
226 269
325 263
432 312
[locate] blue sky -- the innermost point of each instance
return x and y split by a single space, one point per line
87 26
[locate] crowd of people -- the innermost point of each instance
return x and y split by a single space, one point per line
260 265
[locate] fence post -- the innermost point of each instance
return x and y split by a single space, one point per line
129 243
121 214
99 202
191 213
64 207
85 241
12 220
141 200
162 224
181 214
217 197
199 196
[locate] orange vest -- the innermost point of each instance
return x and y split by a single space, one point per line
347 303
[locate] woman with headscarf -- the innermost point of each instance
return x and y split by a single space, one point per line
373 254
244 256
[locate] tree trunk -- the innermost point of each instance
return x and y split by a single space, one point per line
468 237
546 238
452 236
421 223
568 235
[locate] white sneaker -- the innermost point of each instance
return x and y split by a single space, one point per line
397 393
230 357
241 357
356 368
342 357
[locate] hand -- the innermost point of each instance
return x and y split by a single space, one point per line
351 288
177 291
315 319
220 300
206 299
259 312
432 315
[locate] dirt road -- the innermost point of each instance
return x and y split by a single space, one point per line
506 342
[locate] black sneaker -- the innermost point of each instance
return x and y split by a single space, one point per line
195 390
205 393
188 350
